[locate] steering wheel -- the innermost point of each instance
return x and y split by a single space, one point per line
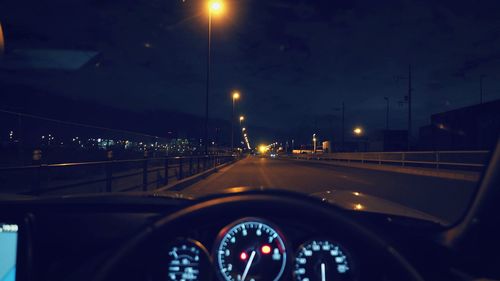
257 203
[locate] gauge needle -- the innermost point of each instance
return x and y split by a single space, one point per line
323 272
247 268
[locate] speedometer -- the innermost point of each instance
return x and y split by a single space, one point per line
250 250
321 260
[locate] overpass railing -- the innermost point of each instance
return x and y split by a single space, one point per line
464 160
105 176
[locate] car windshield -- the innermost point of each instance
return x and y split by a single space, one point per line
381 106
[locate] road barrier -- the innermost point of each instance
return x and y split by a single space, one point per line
105 176
461 160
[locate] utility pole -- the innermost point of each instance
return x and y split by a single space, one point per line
207 93
343 125
409 106
481 88
387 113
408 100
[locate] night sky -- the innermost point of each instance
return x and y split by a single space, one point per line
294 62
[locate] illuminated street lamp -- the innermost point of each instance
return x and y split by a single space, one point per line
314 143
358 131
215 7
236 96
244 129
242 118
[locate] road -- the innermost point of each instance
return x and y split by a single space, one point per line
443 198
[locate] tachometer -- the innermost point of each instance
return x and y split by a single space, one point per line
188 260
250 250
321 260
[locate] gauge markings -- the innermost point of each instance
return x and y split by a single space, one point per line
256 252
187 260
322 260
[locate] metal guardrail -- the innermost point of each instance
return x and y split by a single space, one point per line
103 175
432 159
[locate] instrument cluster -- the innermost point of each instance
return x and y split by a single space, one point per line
254 249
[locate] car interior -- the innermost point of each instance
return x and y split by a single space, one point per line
243 234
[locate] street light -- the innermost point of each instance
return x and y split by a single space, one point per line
215 7
242 118
314 143
236 96
358 131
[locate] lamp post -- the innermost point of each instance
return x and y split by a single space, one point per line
481 88
242 118
387 113
214 7
236 96
358 132
408 100
342 125
314 143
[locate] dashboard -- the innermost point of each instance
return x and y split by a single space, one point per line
71 238
258 249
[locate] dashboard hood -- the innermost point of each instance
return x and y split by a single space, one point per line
357 201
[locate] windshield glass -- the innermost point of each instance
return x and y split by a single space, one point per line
384 106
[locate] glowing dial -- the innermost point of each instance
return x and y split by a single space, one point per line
321 260
187 260
250 250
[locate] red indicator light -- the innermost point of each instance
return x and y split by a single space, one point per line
266 249
243 256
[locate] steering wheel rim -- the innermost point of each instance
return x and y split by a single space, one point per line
289 202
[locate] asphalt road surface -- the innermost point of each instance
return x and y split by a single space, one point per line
444 198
